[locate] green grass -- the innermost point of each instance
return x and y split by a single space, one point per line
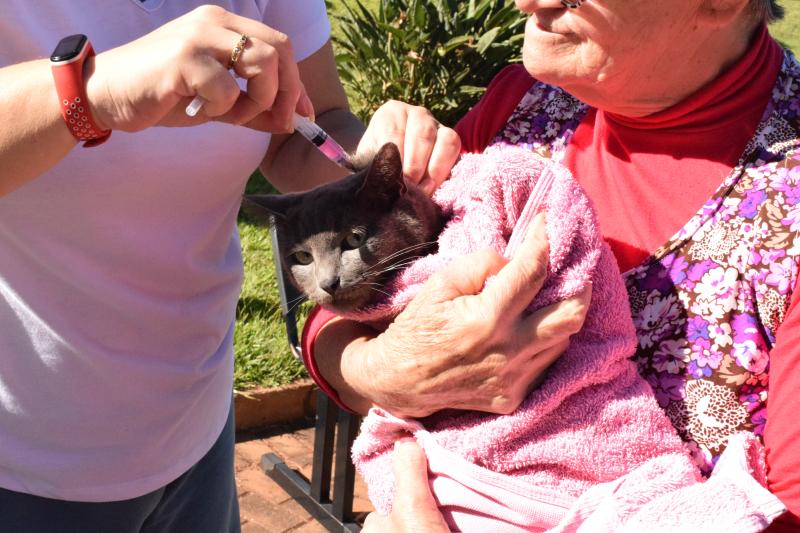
787 31
263 356
262 352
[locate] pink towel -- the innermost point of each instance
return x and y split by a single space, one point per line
590 447
485 199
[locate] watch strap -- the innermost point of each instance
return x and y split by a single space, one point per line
71 89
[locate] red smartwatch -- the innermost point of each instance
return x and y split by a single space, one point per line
67 66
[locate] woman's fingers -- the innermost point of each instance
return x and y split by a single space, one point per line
376 523
414 508
466 275
428 149
151 80
419 139
213 83
272 74
273 87
411 474
520 281
443 156
468 344
388 124
516 282
555 322
538 340
527 375
259 64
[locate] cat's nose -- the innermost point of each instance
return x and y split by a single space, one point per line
330 285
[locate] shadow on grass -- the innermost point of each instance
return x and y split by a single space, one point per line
254 306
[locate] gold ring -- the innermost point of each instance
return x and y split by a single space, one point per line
237 51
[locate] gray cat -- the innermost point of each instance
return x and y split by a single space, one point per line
342 241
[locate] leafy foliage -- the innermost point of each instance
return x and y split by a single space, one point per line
439 54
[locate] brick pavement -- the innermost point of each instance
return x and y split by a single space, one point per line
264 506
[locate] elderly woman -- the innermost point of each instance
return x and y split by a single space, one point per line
681 121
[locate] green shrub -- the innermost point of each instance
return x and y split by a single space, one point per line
436 53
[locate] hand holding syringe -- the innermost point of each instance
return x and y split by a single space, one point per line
308 129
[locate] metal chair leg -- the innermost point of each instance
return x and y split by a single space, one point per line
335 514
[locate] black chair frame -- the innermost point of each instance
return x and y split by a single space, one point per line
328 497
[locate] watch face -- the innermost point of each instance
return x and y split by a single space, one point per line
68 48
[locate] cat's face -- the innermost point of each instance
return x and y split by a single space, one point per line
342 241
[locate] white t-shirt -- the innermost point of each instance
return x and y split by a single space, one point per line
118 288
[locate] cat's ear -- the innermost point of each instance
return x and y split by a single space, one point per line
384 177
260 208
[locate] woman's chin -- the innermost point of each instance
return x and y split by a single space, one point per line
563 67
548 60
541 69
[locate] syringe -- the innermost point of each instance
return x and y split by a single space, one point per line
308 129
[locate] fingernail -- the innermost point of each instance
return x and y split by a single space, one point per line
306 107
402 441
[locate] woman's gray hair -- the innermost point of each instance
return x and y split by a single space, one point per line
766 10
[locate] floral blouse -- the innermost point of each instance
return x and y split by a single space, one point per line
706 304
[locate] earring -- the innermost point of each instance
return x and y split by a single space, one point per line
571 3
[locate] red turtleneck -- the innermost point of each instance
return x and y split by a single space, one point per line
648 175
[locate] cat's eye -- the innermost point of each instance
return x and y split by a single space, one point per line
302 257
355 239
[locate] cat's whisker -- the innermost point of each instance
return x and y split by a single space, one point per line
379 274
394 266
371 285
295 303
366 282
407 249
404 256
380 291
403 251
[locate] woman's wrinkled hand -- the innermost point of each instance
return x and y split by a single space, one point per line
414 509
151 80
428 149
460 344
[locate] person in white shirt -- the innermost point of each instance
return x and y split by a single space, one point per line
120 264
